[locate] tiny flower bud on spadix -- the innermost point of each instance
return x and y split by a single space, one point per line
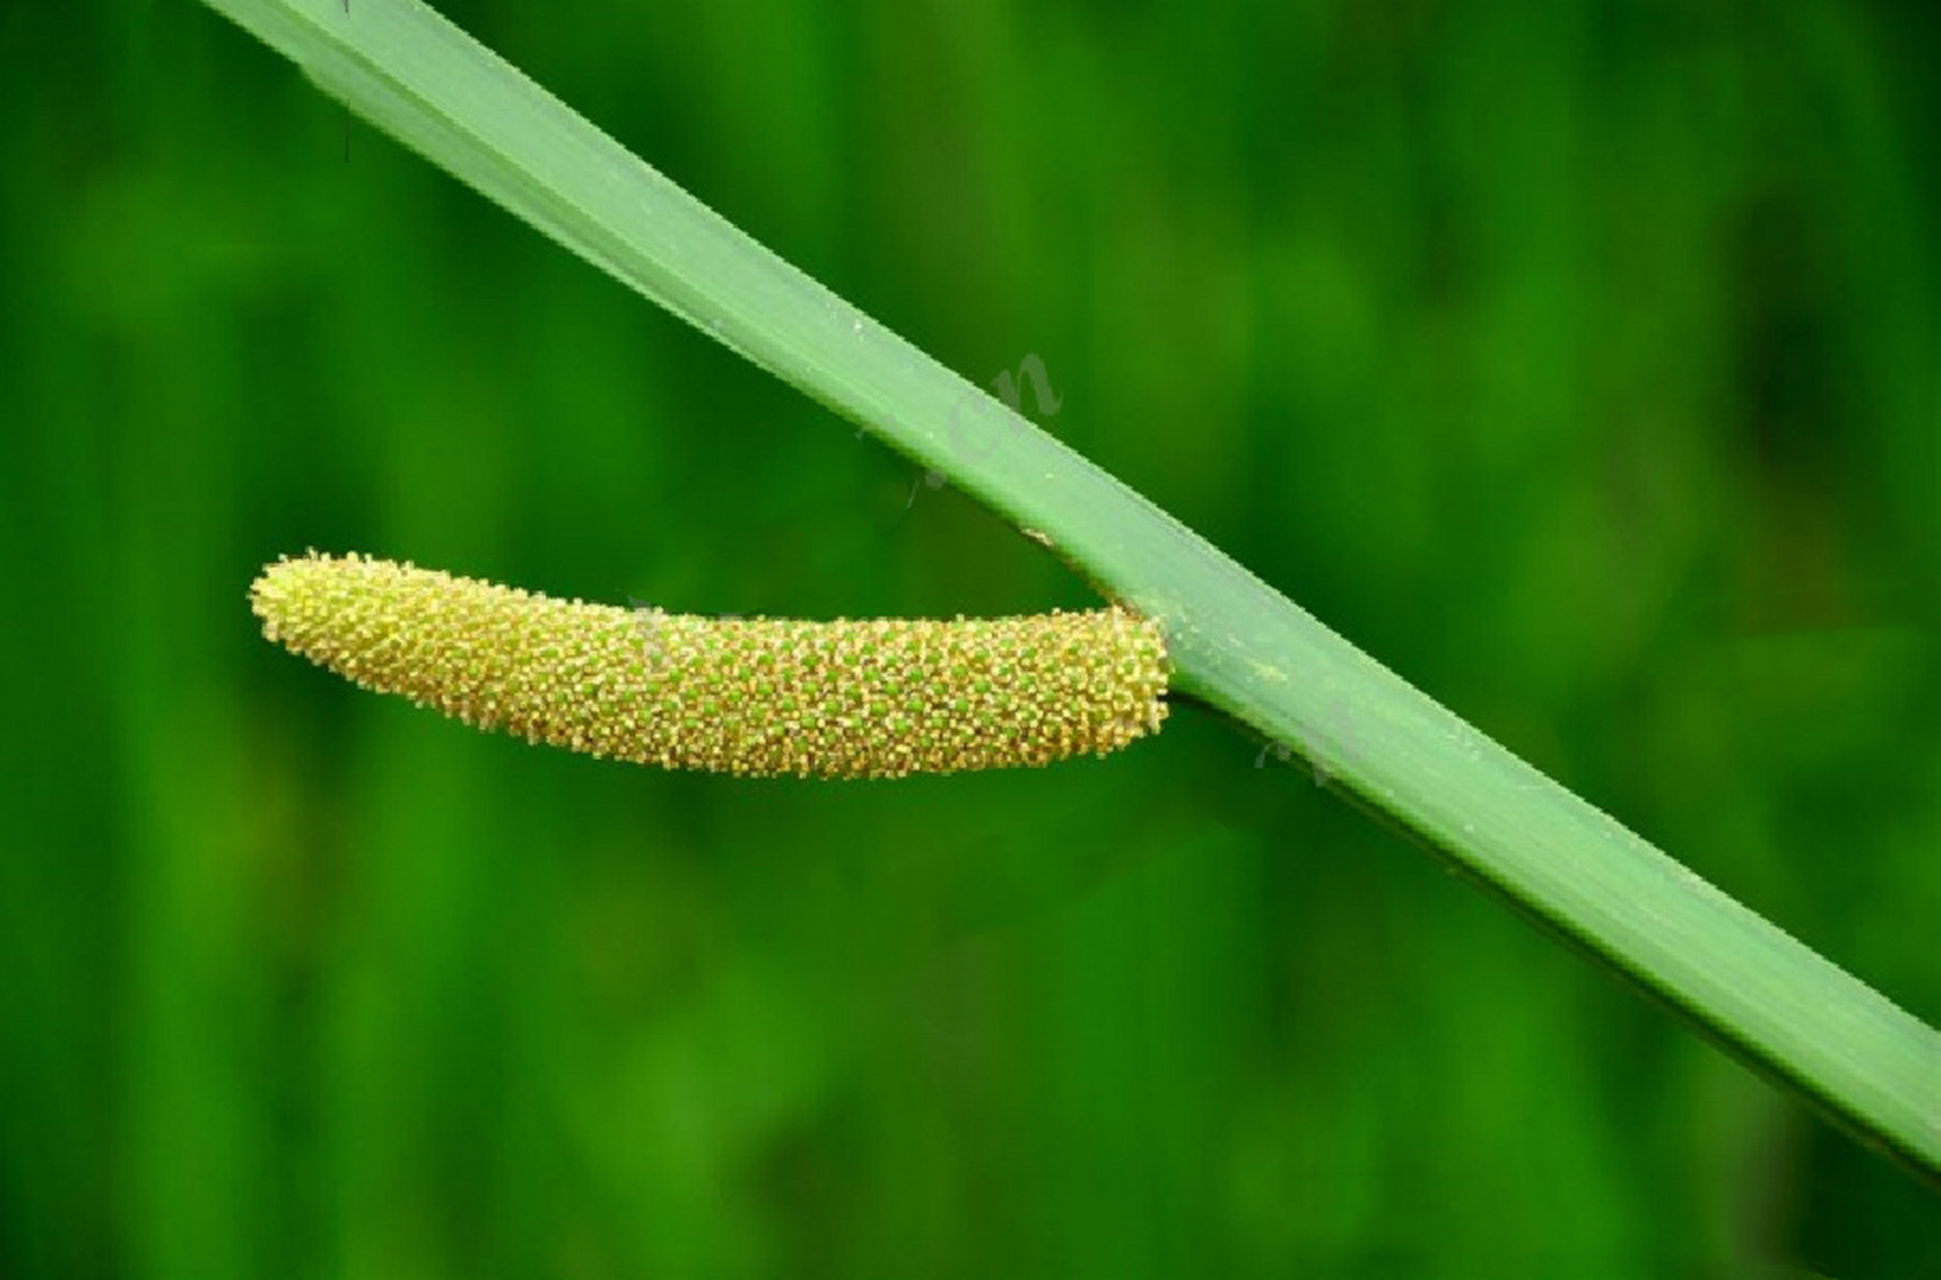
847 699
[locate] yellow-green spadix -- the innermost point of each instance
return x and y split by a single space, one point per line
873 698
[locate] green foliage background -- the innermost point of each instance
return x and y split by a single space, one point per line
1581 361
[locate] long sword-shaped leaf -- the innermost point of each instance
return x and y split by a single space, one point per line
1236 642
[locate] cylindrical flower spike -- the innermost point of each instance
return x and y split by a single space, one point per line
760 696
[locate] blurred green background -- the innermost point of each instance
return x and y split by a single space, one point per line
1581 361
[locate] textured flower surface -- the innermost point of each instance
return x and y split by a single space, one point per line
877 698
